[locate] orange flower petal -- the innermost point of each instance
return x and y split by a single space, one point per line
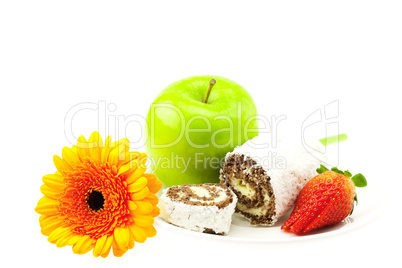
140 194
73 239
117 155
57 233
61 165
70 156
47 206
143 220
150 231
137 173
64 239
139 233
99 245
106 150
154 184
132 205
113 158
84 245
137 185
49 223
117 251
143 207
121 237
83 148
152 198
151 178
155 187
155 212
107 246
54 181
131 243
106 253
96 143
124 169
49 192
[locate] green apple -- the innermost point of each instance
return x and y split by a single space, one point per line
193 123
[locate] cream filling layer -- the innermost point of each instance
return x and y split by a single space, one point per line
244 188
259 211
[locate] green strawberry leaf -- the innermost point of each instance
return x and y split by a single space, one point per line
335 169
359 180
321 169
347 173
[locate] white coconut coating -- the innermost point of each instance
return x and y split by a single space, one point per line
199 210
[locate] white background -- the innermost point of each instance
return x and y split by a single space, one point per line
294 57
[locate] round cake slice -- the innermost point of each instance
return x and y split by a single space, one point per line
267 181
206 208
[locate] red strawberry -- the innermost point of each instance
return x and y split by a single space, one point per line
326 199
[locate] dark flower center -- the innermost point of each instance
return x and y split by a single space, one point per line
95 200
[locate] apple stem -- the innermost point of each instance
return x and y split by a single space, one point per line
210 86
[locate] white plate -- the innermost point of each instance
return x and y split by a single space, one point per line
372 202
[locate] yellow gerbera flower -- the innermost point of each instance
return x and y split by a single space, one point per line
100 198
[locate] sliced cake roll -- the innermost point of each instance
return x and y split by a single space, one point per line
205 208
268 180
